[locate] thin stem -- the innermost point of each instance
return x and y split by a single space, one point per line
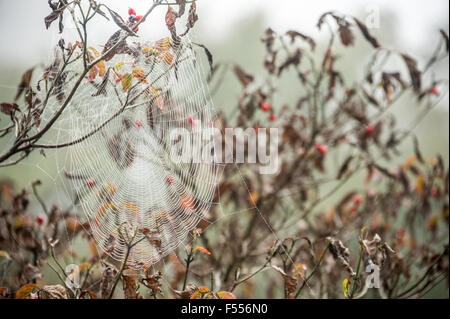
316 267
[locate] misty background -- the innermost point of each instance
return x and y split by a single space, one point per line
232 29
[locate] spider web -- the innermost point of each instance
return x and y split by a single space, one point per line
120 164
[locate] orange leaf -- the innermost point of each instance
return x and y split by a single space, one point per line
203 289
25 291
203 250
195 295
225 295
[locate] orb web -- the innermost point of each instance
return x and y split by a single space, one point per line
120 155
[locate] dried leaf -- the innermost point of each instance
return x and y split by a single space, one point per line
415 74
54 292
208 55
366 33
53 16
25 291
120 22
193 18
126 81
340 253
346 34
9 108
243 77
294 34
24 83
445 37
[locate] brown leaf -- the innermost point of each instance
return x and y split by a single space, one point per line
130 287
193 18
290 282
243 77
208 55
182 7
340 253
107 278
445 36
4 291
295 60
366 33
415 74
322 19
53 16
171 18
54 292
24 83
9 108
293 34
120 22
344 167
346 34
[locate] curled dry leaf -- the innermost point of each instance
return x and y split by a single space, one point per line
54 292
341 253
366 33
415 74
208 55
294 34
9 108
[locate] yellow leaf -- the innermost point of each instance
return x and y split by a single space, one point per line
94 51
225 295
139 74
101 68
25 291
346 287
420 185
100 65
4 254
126 81
119 65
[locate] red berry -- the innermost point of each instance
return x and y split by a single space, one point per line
40 219
370 129
192 121
323 149
435 91
90 182
139 18
131 12
272 118
169 179
357 200
136 30
265 106
138 124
